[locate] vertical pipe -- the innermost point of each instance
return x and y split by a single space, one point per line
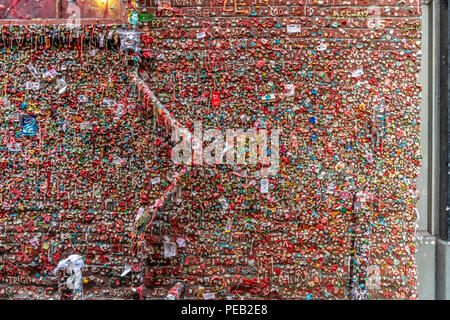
443 125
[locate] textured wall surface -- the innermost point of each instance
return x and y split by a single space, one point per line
337 78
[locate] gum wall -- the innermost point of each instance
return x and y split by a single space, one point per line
86 144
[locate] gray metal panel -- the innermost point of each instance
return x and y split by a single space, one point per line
427 181
423 180
426 265
442 270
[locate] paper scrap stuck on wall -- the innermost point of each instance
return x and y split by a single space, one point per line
294 28
170 249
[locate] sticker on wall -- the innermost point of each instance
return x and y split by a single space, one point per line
170 249
357 73
290 90
134 18
373 277
264 186
200 35
268 97
14 147
50 73
145 17
164 4
181 242
23 105
29 125
29 85
61 86
223 203
33 71
209 296
294 28
322 47
215 101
